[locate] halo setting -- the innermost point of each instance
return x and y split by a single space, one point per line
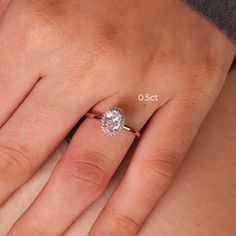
113 121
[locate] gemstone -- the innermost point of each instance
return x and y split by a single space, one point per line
113 121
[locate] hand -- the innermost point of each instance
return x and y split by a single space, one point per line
60 59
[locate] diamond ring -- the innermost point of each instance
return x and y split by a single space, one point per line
113 121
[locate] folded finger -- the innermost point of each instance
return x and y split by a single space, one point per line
19 70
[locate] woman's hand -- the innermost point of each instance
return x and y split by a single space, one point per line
60 59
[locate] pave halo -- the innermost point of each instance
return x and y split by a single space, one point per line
113 121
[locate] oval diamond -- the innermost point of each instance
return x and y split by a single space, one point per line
113 121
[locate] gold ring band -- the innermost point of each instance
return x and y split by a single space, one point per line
96 116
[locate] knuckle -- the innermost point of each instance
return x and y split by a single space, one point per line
194 97
107 47
162 166
98 53
14 161
211 63
40 30
39 24
87 173
189 102
109 39
126 224
203 84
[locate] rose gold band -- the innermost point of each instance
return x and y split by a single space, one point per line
127 128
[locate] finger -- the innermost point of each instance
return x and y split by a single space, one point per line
80 177
19 70
36 128
153 166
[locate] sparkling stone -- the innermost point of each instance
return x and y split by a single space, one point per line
112 121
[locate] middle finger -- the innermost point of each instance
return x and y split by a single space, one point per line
35 129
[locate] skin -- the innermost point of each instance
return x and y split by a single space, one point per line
73 56
209 166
